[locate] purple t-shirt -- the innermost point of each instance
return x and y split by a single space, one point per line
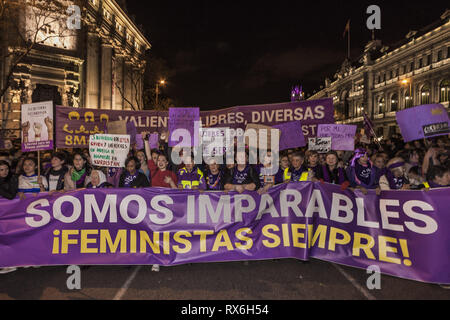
129 178
363 172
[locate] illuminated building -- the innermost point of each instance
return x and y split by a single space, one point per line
386 79
99 65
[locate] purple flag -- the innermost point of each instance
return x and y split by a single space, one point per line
291 135
426 121
368 127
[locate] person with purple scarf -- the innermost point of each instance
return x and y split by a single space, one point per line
214 176
394 177
361 173
332 173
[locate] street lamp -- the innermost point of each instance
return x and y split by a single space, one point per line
162 83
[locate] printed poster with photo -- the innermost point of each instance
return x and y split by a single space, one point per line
37 126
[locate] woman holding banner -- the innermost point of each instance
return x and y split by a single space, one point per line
269 175
98 180
298 170
162 177
242 177
394 177
140 155
29 181
131 177
214 176
8 181
361 173
331 172
438 177
56 174
190 176
78 175
313 163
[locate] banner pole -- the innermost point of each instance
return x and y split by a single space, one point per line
39 163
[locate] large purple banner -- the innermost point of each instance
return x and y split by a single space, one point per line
425 121
404 233
73 126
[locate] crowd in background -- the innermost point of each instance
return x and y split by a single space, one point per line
387 165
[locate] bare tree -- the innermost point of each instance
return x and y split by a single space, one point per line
134 77
25 26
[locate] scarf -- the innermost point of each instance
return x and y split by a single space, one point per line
59 172
327 177
359 153
395 183
79 176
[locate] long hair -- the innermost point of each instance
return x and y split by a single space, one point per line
6 163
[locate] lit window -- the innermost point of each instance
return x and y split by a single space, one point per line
444 91
394 102
425 94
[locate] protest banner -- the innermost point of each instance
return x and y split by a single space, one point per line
37 126
183 120
291 135
73 125
342 136
321 145
426 121
405 233
109 150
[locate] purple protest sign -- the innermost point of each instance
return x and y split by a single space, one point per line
131 130
181 122
291 135
153 141
342 136
405 233
139 142
426 121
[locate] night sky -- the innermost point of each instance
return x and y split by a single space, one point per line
230 53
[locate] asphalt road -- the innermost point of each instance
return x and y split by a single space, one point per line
286 279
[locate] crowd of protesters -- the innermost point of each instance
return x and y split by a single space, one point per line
386 165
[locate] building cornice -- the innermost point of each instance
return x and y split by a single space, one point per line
130 25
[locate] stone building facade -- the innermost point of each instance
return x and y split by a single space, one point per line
99 65
386 79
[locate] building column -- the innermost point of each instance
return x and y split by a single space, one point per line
92 72
118 82
106 76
